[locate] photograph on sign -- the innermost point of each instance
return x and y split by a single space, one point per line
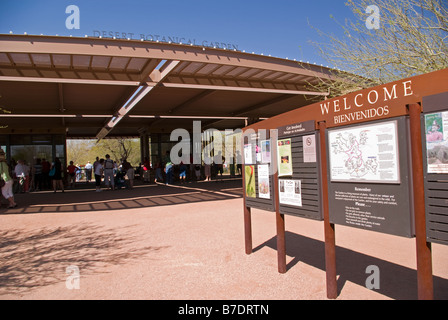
258 153
263 181
266 151
290 192
248 154
365 153
436 133
249 175
309 148
284 157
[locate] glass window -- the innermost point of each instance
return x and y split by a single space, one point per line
30 153
60 153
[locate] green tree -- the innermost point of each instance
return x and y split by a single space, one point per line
410 38
81 151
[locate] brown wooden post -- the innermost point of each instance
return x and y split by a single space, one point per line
247 220
424 256
247 229
330 240
280 225
246 210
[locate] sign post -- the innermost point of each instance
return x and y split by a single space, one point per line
424 260
329 230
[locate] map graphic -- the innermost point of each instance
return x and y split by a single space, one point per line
364 153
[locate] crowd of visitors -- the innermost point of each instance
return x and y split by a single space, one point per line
20 177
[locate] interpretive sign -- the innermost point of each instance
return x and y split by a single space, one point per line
369 184
365 153
434 124
299 171
264 181
436 134
284 157
266 151
258 175
248 154
249 175
309 148
290 192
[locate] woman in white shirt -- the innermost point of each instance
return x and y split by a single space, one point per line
98 172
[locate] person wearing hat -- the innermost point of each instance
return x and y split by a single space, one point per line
4 174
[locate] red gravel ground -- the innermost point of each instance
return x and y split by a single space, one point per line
187 242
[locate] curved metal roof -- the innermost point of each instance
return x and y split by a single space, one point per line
93 87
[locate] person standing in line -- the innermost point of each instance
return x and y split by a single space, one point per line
57 177
169 168
20 172
71 170
109 172
129 170
38 175
219 162
98 172
88 167
207 171
4 174
182 172
197 170
159 176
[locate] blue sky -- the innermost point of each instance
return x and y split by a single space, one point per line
279 28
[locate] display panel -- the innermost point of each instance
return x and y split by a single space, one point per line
383 206
290 192
365 153
284 157
436 136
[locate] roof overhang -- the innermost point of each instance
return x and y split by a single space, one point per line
92 87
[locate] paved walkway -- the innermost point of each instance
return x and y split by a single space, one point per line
187 242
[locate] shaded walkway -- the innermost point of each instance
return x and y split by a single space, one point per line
141 196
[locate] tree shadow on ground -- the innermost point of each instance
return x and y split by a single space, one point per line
396 281
32 259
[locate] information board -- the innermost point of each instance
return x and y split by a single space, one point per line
299 171
434 124
365 153
361 195
436 136
258 176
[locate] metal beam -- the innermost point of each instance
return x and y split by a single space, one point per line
139 94
243 89
71 81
